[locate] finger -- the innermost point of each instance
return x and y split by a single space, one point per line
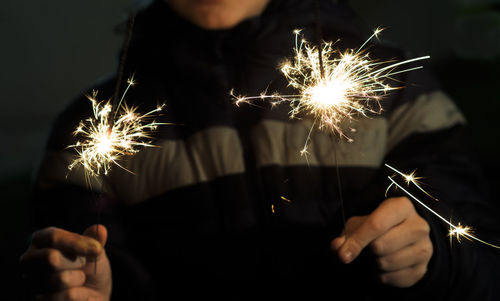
401 236
353 224
67 279
97 232
73 294
50 259
337 243
67 242
413 255
405 277
390 213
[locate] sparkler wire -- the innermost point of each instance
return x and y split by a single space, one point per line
121 67
341 198
319 38
105 138
454 229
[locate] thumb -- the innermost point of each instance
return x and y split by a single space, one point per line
98 274
97 232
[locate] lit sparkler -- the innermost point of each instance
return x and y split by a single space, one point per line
332 85
457 231
109 135
409 179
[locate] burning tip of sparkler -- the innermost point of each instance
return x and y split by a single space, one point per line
304 151
460 231
332 85
110 134
238 99
377 31
410 178
131 81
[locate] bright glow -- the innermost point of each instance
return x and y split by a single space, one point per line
108 136
351 84
460 231
410 179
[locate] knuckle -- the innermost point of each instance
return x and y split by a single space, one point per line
420 227
426 227
375 224
378 247
72 294
423 225
36 236
64 278
419 271
406 204
402 205
382 263
72 244
386 279
80 275
355 221
44 236
427 249
352 222
52 235
53 258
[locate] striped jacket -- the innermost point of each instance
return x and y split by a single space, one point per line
226 205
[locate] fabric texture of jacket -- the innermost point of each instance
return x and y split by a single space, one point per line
204 214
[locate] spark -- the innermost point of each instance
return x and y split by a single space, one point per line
106 137
346 85
457 231
410 179
283 198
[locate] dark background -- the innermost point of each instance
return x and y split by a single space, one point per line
51 50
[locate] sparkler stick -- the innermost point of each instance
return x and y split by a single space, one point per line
458 230
114 131
319 37
333 86
104 144
121 67
109 135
